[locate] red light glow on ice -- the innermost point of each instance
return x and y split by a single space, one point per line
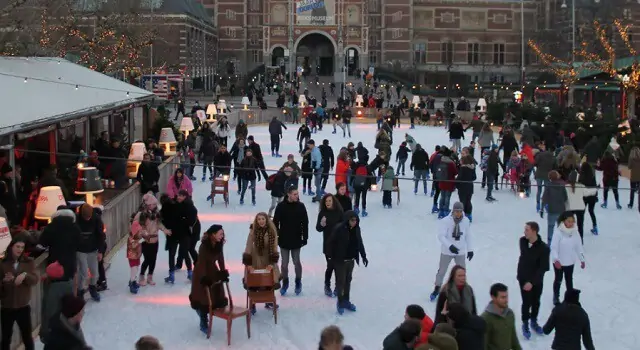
226 217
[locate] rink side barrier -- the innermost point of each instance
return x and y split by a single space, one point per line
116 217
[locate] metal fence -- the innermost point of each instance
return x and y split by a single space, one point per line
116 217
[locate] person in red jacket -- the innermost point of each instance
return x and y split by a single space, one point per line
342 167
445 175
416 312
610 177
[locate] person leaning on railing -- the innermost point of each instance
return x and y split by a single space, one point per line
18 277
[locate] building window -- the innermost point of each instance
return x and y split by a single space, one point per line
373 41
253 39
498 54
254 20
254 5
255 56
473 53
420 53
448 17
626 14
373 59
500 18
446 53
396 17
231 32
374 4
396 33
231 15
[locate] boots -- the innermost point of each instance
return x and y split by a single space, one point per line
93 291
536 327
171 278
189 274
133 287
434 294
285 286
150 280
298 288
102 286
142 281
327 291
526 332
204 321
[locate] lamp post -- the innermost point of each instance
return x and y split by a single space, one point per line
522 76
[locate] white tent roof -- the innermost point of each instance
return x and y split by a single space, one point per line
39 90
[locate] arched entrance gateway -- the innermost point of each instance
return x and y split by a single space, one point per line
315 53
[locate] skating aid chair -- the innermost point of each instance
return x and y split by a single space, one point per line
260 289
220 186
228 313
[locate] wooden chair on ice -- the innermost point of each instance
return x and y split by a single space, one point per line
228 313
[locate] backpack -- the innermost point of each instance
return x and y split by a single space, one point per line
270 180
484 162
442 171
360 179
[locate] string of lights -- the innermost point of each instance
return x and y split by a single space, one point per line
177 164
77 86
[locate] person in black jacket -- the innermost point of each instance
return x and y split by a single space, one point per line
420 167
328 160
64 332
148 175
292 222
184 218
346 121
207 151
508 145
466 177
91 248
456 132
571 323
194 235
249 170
275 130
346 247
361 152
401 157
532 265
329 216
303 136
470 328
278 189
61 236
222 162
342 197
257 154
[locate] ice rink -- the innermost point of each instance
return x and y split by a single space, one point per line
403 252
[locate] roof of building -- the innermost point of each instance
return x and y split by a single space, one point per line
40 91
190 7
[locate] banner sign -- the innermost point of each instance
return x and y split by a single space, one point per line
315 12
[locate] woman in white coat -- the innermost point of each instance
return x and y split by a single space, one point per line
576 192
223 130
566 249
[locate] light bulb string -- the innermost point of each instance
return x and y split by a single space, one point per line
77 86
175 162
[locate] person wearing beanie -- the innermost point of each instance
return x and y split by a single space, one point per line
65 332
443 338
61 236
416 312
455 240
445 174
209 276
328 162
404 337
571 323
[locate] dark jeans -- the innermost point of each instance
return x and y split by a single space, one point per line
302 142
635 185
275 143
590 202
21 316
328 272
613 186
325 177
580 221
465 199
436 196
344 274
102 275
193 241
306 183
207 162
181 244
530 302
386 198
567 272
150 255
358 194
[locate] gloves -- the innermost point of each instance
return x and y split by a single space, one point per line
365 261
304 242
275 257
247 259
541 214
453 249
469 255
223 276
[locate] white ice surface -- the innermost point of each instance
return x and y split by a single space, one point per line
403 252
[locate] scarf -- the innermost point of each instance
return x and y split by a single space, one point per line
466 299
259 240
456 227
76 332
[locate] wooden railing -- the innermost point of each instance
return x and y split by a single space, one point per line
116 216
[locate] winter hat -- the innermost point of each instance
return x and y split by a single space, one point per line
572 296
494 146
250 138
54 270
458 206
150 200
214 228
71 305
325 142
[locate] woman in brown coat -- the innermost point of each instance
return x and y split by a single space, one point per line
209 275
18 276
261 251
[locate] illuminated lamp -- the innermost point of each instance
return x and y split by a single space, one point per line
88 183
136 154
49 200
